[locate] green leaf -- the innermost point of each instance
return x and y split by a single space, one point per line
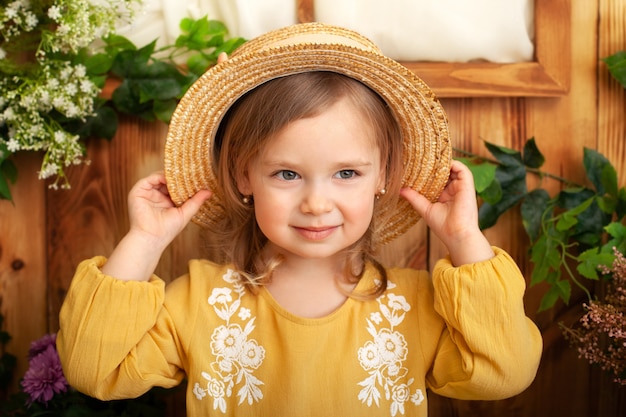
512 180
549 299
600 172
616 229
116 43
163 110
566 221
484 173
8 172
133 63
532 157
229 46
616 64
590 260
198 64
532 210
158 89
103 125
5 189
546 259
590 227
573 197
620 209
126 100
607 204
492 194
98 64
506 156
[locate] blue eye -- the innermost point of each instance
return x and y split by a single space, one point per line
346 174
287 175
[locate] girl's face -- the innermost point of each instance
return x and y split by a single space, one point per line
315 182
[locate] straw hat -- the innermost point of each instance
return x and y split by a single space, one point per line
296 49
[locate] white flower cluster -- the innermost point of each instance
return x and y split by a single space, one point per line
52 87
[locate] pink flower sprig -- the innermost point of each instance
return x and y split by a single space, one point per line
600 337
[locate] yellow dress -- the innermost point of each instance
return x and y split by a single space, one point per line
462 334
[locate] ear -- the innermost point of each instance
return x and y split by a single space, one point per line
382 179
243 183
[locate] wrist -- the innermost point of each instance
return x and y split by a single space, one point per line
134 259
469 249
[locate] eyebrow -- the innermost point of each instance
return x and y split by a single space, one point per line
346 163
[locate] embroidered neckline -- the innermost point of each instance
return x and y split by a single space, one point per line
366 281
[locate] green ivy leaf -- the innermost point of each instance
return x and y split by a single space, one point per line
600 172
561 289
607 203
158 89
616 229
512 180
590 227
201 34
98 64
133 63
532 157
198 64
484 173
590 260
616 64
163 109
115 43
573 197
228 46
492 194
532 210
546 259
620 209
8 172
126 98
506 156
5 189
102 125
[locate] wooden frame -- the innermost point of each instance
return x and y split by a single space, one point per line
548 75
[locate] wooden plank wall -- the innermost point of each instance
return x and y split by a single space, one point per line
44 233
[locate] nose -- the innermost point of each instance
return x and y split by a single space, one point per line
316 200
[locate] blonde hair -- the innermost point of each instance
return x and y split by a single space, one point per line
254 119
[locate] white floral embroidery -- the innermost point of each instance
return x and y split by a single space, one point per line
236 355
383 357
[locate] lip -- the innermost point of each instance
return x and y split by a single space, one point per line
315 233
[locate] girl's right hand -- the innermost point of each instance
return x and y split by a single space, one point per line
154 223
154 215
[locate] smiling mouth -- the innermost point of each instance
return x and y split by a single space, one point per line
315 233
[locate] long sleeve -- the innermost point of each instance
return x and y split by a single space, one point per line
108 343
491 349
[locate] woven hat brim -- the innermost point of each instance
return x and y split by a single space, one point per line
422 120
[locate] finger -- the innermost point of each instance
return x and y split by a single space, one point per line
223 56
191 206
420 203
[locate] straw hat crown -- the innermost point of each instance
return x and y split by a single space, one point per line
296 49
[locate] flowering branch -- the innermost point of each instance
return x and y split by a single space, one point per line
600 337
55 57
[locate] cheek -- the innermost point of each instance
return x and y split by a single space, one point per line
269 210
362 213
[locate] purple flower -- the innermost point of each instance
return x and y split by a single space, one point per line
41 345
44 377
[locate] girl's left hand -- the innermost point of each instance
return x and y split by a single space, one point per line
454 217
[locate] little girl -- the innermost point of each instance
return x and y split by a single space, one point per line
301 154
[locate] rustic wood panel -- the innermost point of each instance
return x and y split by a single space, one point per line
50 232
91 218
23 283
